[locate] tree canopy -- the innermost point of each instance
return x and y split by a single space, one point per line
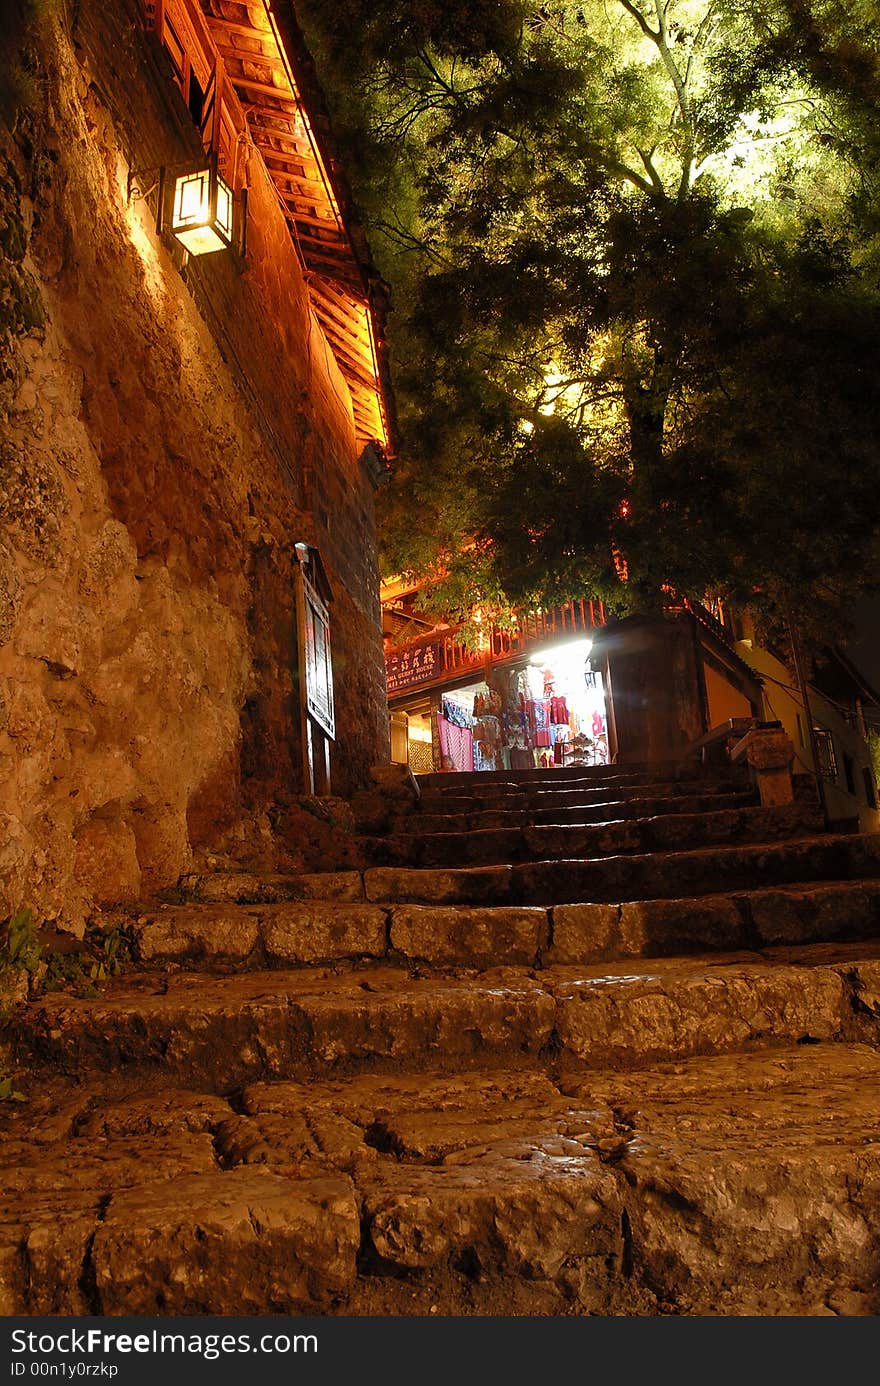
634 249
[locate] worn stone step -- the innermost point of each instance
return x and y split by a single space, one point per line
668 832
425 822
564 774
226 1029
250 888
223 1030
130 1212
218 936
224 937
253 936
630 1014
469 936
726 1184
839 910
669 875
477 798
752 1180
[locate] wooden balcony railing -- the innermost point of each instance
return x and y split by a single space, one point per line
434 658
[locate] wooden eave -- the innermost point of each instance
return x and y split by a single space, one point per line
267 66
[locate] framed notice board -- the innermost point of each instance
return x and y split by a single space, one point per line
313 597
318 663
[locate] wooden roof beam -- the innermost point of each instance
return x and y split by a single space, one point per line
232 26
264 119
339 297
350 324
326 224
337 261
263 89
250 55
281 156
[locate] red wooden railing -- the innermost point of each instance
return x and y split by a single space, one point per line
433 658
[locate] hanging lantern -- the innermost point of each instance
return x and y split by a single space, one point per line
203 211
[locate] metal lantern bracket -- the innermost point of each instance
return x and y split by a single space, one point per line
143 183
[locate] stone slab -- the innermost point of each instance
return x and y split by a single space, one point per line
197 933
311 932
842 910
234 1242
469 936
674 1008
247 888
695 872
753 1180
560 815
513 1208
645 928
730 1184
404 885
225 1030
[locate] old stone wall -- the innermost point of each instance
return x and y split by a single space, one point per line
166 439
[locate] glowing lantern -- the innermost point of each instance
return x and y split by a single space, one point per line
202 215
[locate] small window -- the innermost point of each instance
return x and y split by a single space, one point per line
181 48
849 772
175 51
870 791
825 750
196 99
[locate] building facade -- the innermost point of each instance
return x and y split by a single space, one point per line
570 687
175 424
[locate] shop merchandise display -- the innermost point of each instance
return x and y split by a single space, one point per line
530 717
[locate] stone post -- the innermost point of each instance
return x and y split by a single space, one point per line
393 793
769 755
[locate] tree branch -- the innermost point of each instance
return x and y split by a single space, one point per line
639 18
647 158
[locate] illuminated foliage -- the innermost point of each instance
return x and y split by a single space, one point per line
634 252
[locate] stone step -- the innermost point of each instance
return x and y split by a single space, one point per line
246 888
125 1208
243 936
224 1030
731 1184
668 875
628 1015
752 1180
839 910
564 774
299 933
477 798
602 812
668 832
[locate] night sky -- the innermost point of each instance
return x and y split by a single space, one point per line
864 647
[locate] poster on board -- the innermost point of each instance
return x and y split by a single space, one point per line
318 663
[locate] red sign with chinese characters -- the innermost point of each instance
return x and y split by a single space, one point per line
412 665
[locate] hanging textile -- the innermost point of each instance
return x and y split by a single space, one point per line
456 745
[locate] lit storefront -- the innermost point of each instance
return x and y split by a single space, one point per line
545 713
528 699
562 688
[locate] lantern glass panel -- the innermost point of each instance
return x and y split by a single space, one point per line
223 217
202 220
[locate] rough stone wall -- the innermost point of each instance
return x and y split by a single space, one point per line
165 440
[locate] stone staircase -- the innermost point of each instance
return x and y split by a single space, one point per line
585 1042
